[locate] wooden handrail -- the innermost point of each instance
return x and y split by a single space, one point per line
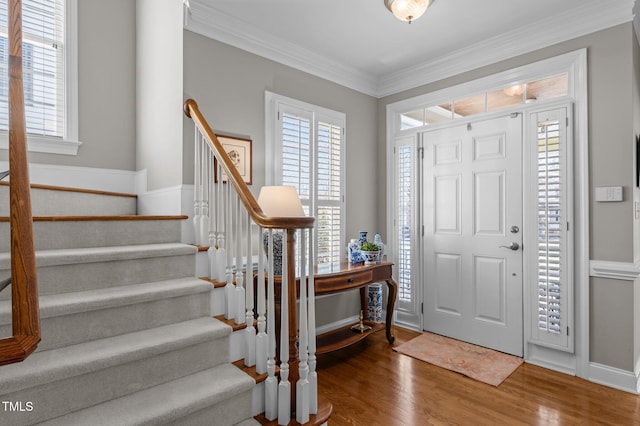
192 111
24 288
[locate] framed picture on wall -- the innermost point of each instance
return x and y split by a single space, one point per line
239 150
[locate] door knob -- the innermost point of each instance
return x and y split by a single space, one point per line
512 246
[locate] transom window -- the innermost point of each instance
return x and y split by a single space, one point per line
556 86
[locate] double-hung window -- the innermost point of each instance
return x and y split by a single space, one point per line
48 72
305 149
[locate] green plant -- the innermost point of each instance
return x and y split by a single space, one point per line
369 246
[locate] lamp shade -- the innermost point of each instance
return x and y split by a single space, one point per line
407 10
280 201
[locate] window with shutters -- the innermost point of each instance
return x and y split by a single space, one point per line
403 248
405 159
305 148
48 74
552 264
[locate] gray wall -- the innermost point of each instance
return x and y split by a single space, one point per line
612 329
106 87
229 85
636 197
611 125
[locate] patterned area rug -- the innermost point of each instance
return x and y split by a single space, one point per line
479 363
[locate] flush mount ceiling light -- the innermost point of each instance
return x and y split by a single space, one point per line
407 10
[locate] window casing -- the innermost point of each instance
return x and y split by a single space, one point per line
305 149
550 222
49 75
405 242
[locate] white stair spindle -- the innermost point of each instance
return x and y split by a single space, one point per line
271 383
213 220
313 375
284 387
250 336
204 210
221 253
197 188
229 289
240 268
302 387
262 343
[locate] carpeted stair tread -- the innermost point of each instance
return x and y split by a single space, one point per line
56 364
84 301
103 254
165 403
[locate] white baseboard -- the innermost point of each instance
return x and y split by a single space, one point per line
112 180
614 377
563 362
336 324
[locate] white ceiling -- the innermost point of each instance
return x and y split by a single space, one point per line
359 44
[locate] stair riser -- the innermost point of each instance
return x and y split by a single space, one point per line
57 398
217 301
63 330
75 234
46 202
88 276
225 413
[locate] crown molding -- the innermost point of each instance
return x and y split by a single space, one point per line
211 22
590 17
587 19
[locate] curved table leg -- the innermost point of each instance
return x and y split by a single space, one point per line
391 302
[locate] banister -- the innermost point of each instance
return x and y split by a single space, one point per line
24 289
251 205
281 398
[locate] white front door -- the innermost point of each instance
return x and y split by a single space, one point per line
473 233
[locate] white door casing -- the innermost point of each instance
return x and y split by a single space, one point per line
473 233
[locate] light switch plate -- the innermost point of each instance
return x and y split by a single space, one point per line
609 193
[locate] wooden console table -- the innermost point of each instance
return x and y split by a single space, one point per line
333 278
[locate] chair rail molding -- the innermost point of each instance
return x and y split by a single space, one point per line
615 270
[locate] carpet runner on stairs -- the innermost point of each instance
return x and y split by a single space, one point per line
127 332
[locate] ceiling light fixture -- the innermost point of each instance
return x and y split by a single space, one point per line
407 10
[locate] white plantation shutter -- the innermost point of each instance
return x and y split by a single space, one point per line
553 265
329 192
307 152
405 160
43 66
296 155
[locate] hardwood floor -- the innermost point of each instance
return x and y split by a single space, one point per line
370 384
